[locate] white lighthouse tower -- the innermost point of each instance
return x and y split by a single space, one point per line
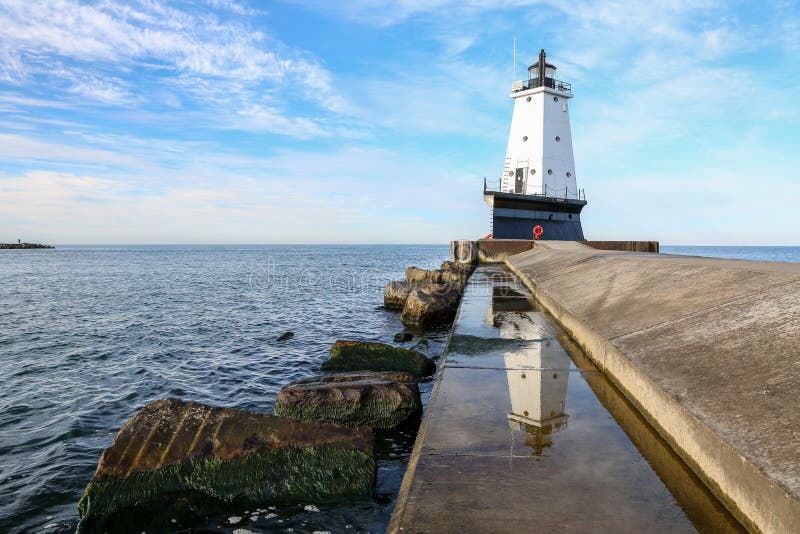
538 185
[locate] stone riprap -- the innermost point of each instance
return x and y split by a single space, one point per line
373 399
463 269
435 293
370 356
431 305
417 275
396 294
174 451
706 348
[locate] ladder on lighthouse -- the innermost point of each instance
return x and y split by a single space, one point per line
506 170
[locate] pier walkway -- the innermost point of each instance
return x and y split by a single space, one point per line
524 434
708 349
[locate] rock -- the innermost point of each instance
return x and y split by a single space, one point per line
174 452
430 306
376 400
402 337
395 295
285 336
368 356
464 269
416 275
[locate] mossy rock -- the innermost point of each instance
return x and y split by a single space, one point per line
175 452
376 400
369 356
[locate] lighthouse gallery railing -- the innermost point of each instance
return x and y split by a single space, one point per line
495 186
533 83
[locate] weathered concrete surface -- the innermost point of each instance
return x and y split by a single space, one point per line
371 356
708 349
627 246
372 399
177 451
497 250
516 438
487 250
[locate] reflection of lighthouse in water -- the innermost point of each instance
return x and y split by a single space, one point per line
538 395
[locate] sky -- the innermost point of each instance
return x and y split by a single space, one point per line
375 121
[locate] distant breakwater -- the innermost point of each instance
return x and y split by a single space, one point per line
23 245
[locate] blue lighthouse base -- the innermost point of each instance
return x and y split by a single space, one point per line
515 216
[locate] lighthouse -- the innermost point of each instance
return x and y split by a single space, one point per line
538 186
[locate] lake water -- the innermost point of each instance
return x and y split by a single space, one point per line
88 335
791 254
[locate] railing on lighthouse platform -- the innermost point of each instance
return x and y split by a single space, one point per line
533 83
495 186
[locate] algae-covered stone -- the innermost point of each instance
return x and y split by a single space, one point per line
369 356
376 400
174 451
430 306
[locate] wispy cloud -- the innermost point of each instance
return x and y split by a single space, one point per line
89 52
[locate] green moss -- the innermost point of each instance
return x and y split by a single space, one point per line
362 356
374 414
309 474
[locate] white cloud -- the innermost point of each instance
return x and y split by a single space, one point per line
23 148
293 196
123 54
258 118
16 102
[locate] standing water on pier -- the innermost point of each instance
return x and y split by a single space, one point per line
523 433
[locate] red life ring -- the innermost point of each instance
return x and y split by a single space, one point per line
537 232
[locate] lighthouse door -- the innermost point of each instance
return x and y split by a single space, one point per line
520 181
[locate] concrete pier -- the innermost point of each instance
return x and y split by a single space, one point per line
498 250
707 349
523 433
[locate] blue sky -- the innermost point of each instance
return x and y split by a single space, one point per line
375 121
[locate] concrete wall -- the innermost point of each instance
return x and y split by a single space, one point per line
487 250
707 349
464 251
627 246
